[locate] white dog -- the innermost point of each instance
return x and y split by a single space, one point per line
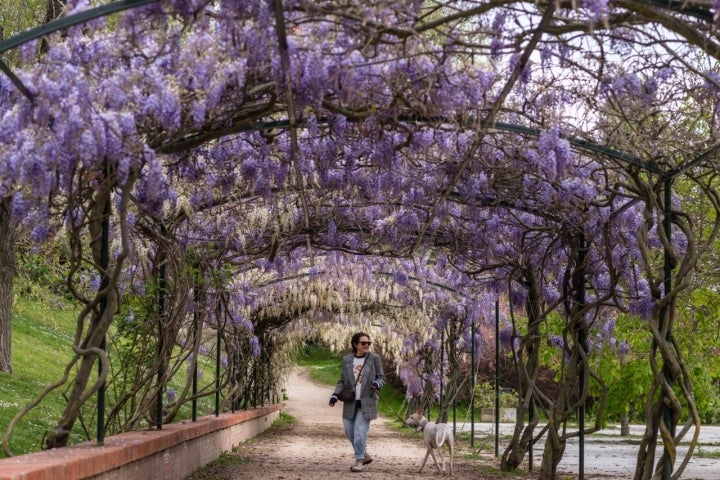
435 435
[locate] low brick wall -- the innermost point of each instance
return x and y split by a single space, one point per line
171 453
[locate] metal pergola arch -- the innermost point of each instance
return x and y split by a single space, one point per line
582 145
452 290
120 5
59 24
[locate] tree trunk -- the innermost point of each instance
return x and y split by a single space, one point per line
625 425
454 373
527 372
662 415
553 453
515 452
559 414
7 277
100 320
60 435
99 312
575 372
53 10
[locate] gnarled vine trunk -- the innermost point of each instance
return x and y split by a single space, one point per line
7 277
671 394
97 315
527 369
454 373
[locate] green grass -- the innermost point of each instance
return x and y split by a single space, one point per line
324 367
283 420
42 336
706 451
43 329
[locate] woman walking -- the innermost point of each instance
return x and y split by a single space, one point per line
362 372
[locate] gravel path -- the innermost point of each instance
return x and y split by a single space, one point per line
314 447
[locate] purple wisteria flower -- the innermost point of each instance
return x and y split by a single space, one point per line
598 8
506 336
556 341
95 283
198 372
255 346
401 278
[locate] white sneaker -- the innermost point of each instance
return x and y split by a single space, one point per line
357 466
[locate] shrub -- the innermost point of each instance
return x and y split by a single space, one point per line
485 396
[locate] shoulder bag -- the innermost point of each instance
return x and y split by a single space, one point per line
348 393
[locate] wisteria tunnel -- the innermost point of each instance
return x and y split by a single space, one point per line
465 180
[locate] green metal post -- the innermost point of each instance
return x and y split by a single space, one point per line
454 419
667 270
472 384
196 334
104 283
497 377
531 413
582 339
442 369
162 273
218 345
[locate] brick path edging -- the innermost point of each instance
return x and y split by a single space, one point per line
173 452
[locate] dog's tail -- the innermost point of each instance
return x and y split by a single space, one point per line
440 436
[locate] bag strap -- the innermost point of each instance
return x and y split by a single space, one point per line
361 368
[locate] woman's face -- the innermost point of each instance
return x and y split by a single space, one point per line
363 344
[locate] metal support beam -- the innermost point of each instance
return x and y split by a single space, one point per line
69 21
104 284
161 287
580 274
497 377
54 26
218 346
472 384
667 268
16 81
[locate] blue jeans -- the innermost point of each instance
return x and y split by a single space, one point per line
356 431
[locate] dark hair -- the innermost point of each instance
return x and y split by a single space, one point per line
356 339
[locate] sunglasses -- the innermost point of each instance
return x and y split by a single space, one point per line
365 344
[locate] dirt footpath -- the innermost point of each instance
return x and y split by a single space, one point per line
314 447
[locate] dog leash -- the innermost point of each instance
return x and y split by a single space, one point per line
402 420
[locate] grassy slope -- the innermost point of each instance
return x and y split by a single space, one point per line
42 335
41 348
